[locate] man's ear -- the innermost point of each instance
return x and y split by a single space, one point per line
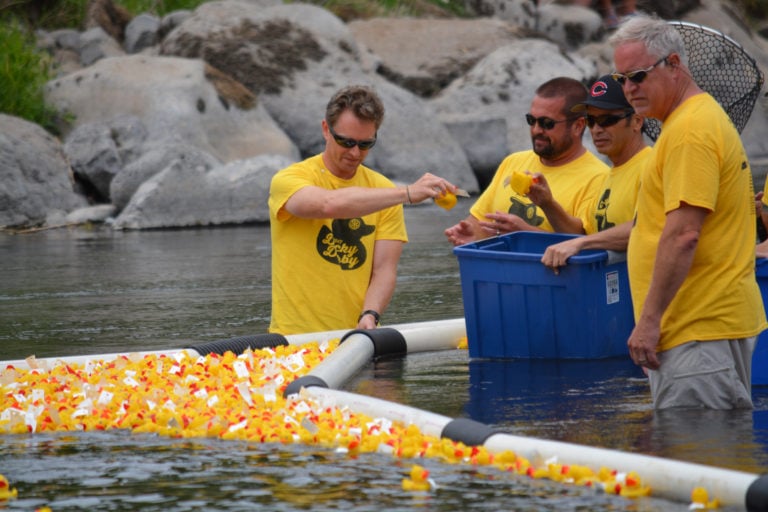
673 60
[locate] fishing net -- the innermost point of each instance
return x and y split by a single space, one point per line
722 68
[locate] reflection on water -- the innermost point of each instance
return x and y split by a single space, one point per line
77 291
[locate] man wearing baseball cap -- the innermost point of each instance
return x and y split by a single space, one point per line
617 133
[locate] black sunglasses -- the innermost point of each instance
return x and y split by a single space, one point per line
348 143
544 122
607 120
639 75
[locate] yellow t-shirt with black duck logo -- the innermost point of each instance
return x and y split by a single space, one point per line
616 203
321 267
574 185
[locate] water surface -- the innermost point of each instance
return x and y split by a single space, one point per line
92 291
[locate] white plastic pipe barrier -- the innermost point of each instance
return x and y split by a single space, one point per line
668 479
344 362
428 422
423 336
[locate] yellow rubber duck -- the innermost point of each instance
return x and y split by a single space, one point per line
446 200
6 493
700 500
418 481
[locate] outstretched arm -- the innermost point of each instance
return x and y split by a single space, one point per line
466 231
320 203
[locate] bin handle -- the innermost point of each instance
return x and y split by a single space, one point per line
616 257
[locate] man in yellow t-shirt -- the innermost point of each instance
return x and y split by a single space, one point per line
337 227
691 253
559 163
617 132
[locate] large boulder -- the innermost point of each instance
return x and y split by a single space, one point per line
174 98
35 178
184 196
494 96
294 58
425 55
97 152
154 160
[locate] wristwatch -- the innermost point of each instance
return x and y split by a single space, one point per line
374 314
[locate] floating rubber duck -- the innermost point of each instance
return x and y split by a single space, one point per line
6 493
418 481
633 487
700 500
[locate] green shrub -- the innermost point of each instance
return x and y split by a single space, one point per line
24 71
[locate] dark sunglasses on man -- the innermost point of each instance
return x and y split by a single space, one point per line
349 143
607 120
545 123
638 75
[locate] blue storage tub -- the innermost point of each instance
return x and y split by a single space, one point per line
515 307
760 355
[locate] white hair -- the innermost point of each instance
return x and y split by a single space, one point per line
659 37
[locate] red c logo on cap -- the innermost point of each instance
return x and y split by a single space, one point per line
598 89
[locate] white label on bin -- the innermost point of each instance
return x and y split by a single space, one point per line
612 287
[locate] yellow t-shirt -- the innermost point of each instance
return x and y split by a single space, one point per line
699 159
574 185
616 203
321 267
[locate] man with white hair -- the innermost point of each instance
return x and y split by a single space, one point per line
691 250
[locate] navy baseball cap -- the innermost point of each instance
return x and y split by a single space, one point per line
605 93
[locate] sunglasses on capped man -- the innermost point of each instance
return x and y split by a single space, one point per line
349 143
638 75
607 120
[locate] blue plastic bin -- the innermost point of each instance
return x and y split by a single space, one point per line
515 307
760 355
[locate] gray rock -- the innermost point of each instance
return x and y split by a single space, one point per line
571 26
521 13
501 86
66 38
35 177
174 98
425 55
96 44
94 158
265 49
296 75
172 20
180 196
141 32
98 152
482 141
413 141
98 213
154 160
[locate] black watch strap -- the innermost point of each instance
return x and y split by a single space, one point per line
374 314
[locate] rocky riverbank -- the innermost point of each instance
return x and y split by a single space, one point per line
182 121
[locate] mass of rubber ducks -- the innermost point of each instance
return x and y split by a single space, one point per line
241 397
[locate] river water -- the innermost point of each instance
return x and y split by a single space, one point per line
92 291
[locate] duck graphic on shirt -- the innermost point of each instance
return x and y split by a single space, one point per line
526 211
601 215
342 243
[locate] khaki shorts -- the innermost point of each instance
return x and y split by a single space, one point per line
709 374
